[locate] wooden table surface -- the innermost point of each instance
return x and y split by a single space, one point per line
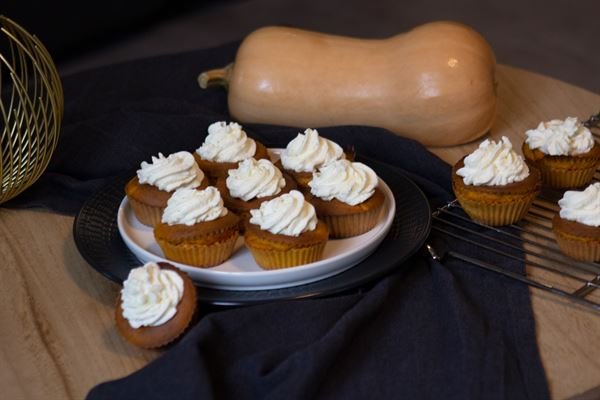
57 333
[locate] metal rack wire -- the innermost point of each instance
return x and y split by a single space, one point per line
530 241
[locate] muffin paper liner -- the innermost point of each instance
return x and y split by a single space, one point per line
499 213
147 215
581 250
197 255
279 259
563 172
562 179
343 226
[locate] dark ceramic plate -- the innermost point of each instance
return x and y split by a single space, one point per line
99 242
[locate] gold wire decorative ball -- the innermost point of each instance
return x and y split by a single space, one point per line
31 108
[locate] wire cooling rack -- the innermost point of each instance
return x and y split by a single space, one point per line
530 241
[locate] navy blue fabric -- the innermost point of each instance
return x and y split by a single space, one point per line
428 331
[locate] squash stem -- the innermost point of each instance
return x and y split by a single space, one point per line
215 77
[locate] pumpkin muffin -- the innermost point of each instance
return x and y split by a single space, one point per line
346 197
149 191
224 147
196 228
494 185
577 225
307 152
252 183
285 232
155 306
564 151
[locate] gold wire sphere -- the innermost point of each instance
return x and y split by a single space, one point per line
31 108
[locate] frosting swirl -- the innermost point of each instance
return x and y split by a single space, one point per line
190 206
493 164
582 206
560 138
254 179
307 152
288 214
178 170
226 143
349 182
150 295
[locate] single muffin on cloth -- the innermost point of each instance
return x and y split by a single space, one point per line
494 185
285 232
224 147
155 182
565 152
307 152
577 225
252 183
346 197
196 228
156 305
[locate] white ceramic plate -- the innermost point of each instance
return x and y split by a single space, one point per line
240 272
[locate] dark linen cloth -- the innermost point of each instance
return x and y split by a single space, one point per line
430 330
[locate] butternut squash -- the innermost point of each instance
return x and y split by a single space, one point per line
435 83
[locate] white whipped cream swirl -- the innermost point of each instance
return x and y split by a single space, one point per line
191 206
178 170
582 207
150 295
349 182
226 143
254 179
307 152
494 164
560 138
288 214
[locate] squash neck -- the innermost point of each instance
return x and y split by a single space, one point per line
216 77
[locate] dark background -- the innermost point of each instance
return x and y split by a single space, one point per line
556 38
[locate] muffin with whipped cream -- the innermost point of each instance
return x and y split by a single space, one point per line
224 147
494 184
252 183
285 232
196 229
306 153
577 225
346 197
155 182
156 305
564 151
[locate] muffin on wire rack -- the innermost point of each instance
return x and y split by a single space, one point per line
565 152
494 185
576 226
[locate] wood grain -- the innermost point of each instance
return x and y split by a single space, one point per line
58 337
57 331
